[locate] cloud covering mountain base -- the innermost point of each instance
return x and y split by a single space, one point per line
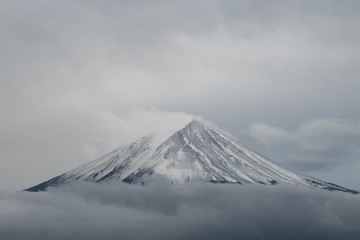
161 211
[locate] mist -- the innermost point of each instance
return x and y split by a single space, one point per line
160 210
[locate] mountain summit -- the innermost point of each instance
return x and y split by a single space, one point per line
196 153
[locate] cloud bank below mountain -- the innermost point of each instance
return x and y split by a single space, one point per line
161 211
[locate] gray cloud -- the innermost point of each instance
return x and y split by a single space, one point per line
162 211
321 143
117 54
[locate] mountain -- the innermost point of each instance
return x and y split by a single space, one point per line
196 153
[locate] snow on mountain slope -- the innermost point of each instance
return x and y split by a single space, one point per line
195 153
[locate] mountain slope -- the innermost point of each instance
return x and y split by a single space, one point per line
195 153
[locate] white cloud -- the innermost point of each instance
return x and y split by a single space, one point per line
269 135
162 211
56 137
320 142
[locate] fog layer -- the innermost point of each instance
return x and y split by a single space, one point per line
163 211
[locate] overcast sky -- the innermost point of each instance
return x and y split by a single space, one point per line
79 78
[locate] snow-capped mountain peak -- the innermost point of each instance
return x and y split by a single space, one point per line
196 153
